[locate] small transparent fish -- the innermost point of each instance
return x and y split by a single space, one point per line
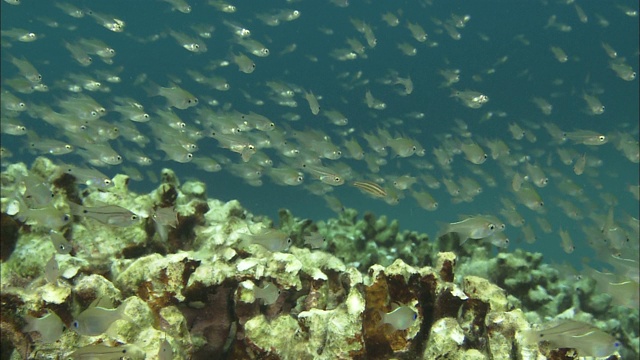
585 338
180 5
354 149
49 326
103 352
100 154
313 102
609 50
476 227
543 105
425 200
401 318
175 151
245 64
473 152
37 191
11 102
324 174
95 320
452 31
51 270
97 47
79 54
70 9
175 95
165 216
404 182
391 19
207 164
336 117
26 69
372 102
109 214
271 239
470 98
536 175
529 197
20 35
165 351
48 217
578 167
516 131
559 54
417 31
402 147
407 49
62 245
87 176
268 293
107 21
623 70
315 240
254 47
499 240
189 43
286 176
594 106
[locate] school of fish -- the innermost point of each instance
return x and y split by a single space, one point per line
515 136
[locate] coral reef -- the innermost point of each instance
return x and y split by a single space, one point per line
192 285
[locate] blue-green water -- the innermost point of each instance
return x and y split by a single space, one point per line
491 34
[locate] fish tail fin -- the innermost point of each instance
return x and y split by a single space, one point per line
443 229
151 88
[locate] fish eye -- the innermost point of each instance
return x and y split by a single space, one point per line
289 240
336 179
272 125
68 147
134 217
492 227
75 324
189 155
65 218
107 182
118 158
93 113
601 137
251 147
